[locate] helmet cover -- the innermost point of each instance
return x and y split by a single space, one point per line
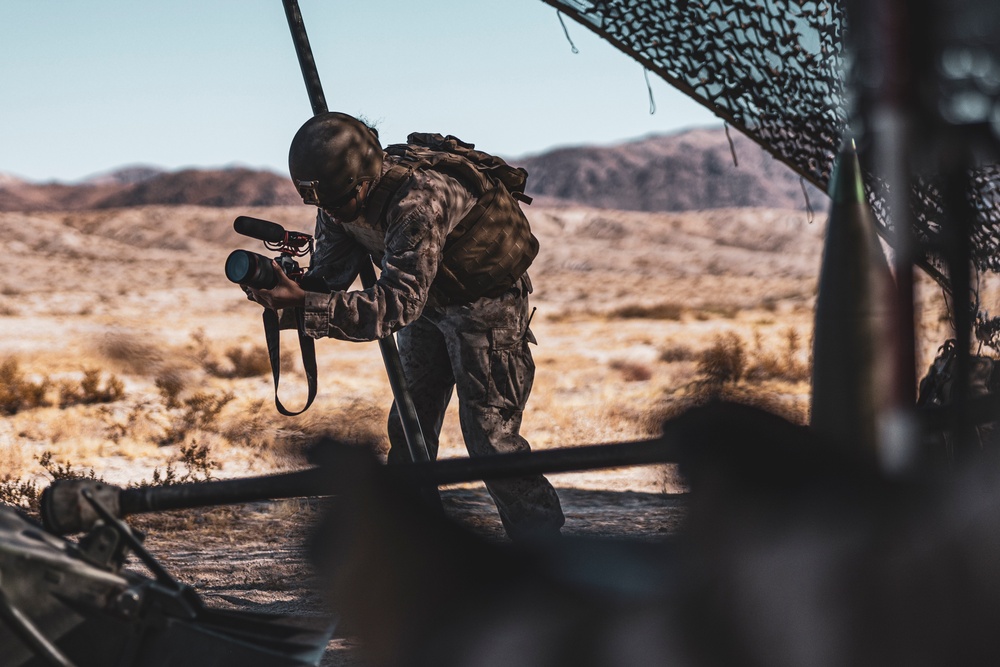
331 155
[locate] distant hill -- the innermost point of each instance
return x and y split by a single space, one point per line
143 187
690 170
126 175
9 180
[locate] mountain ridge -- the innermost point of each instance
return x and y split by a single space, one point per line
693 169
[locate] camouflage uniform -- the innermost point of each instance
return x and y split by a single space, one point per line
480 348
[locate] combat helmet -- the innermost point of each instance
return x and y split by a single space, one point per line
330 156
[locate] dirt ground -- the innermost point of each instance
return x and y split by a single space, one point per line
255 557
629 304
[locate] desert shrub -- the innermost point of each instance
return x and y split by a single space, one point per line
159 479
132 352
90 390
770 304
202 408
201 351
632 371
198 465
247 362
758 396
727 372
357 421
677 353
19 493
117 428
59 471
239 361
24 493
198 412
725 360
794 369
637 417
170 384
18 393
252 427
658 311
767 365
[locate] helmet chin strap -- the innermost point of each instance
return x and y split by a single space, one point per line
363 192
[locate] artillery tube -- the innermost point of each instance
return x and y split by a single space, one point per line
316 481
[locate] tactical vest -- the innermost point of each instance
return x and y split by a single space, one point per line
492 246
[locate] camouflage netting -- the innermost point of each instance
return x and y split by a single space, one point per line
774 70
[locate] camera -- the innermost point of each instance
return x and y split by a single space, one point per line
254 270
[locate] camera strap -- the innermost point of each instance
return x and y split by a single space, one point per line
307 347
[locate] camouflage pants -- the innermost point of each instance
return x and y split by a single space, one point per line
480 350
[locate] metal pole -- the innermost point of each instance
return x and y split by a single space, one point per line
415 442
304 52
892 120
958 256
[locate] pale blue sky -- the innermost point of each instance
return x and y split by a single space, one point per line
89 86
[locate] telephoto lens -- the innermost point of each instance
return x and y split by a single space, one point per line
250 269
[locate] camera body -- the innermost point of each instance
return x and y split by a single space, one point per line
255 270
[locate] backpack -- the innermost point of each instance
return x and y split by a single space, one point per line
492 246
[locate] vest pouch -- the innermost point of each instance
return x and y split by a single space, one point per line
487 252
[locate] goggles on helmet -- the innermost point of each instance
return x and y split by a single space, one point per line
308 192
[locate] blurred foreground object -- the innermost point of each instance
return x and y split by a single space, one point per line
854 330
791 554
71 604
924 79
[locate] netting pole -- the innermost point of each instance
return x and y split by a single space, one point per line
414 435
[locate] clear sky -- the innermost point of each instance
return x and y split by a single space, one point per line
87 86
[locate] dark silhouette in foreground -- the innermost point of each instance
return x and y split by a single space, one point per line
792 553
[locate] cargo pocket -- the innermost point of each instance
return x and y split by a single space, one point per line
512 370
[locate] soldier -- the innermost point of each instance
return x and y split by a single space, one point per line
452 285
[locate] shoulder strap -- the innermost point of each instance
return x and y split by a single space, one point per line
307 347
386 187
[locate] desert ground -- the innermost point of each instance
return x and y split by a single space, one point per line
127 356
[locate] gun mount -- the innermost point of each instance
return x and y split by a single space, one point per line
56 596
71 604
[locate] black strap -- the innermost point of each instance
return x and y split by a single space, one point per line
307 346
387 186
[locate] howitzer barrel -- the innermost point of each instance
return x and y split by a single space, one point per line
298 484
64 511
568 459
